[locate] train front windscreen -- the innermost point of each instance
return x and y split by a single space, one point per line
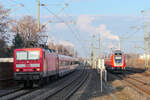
27 61
27 55
118 58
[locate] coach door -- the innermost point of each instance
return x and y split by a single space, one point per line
57 64
45 63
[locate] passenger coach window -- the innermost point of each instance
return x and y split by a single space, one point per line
21 55
33 55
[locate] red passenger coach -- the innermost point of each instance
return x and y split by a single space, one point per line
33 65
67 64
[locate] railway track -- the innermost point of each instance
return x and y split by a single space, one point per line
16 94
11 91
69 83
134 78
68 90
142 86
44 93
58 92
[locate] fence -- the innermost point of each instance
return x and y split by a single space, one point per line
6 72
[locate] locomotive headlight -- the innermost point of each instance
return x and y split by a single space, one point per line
38 69
17 70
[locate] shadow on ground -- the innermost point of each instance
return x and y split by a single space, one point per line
93 90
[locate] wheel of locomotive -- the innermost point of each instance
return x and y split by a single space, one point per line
56 76
41 83
28 84
47 79
25 84
31 84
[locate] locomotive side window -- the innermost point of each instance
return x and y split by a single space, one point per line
50 50
63 63
44 54
21 55
120 53
33 55
115 53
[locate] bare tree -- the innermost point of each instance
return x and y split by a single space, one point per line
51 45
4 21
4 34
60 49
28 30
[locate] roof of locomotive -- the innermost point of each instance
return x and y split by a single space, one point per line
49 50
25 49
30 49
117 51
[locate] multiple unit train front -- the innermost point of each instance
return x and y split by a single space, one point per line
116 62
35 65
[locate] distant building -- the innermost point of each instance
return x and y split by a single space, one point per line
142 57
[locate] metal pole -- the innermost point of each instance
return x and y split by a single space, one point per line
135 52
135 49
92 54
146 38
99 47
101 78
105 75
38 14
119 43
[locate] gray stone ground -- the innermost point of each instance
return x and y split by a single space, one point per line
91 90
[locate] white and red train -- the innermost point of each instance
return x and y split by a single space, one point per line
116 62
35 65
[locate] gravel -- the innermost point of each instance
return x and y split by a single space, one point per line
114 89
91 89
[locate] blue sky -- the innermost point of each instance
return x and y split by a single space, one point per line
110 18
93 7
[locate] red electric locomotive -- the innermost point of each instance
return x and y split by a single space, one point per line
116 62
35 65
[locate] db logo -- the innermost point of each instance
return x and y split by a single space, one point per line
28 65
27 70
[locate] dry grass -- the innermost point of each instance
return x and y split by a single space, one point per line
136 63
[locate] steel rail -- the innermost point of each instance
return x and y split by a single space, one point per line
76 88
134 84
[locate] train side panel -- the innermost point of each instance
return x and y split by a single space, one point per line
50 64
66 65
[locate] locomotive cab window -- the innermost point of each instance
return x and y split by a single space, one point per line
120 53
118 60
33 55
27 55
21 55
115 53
